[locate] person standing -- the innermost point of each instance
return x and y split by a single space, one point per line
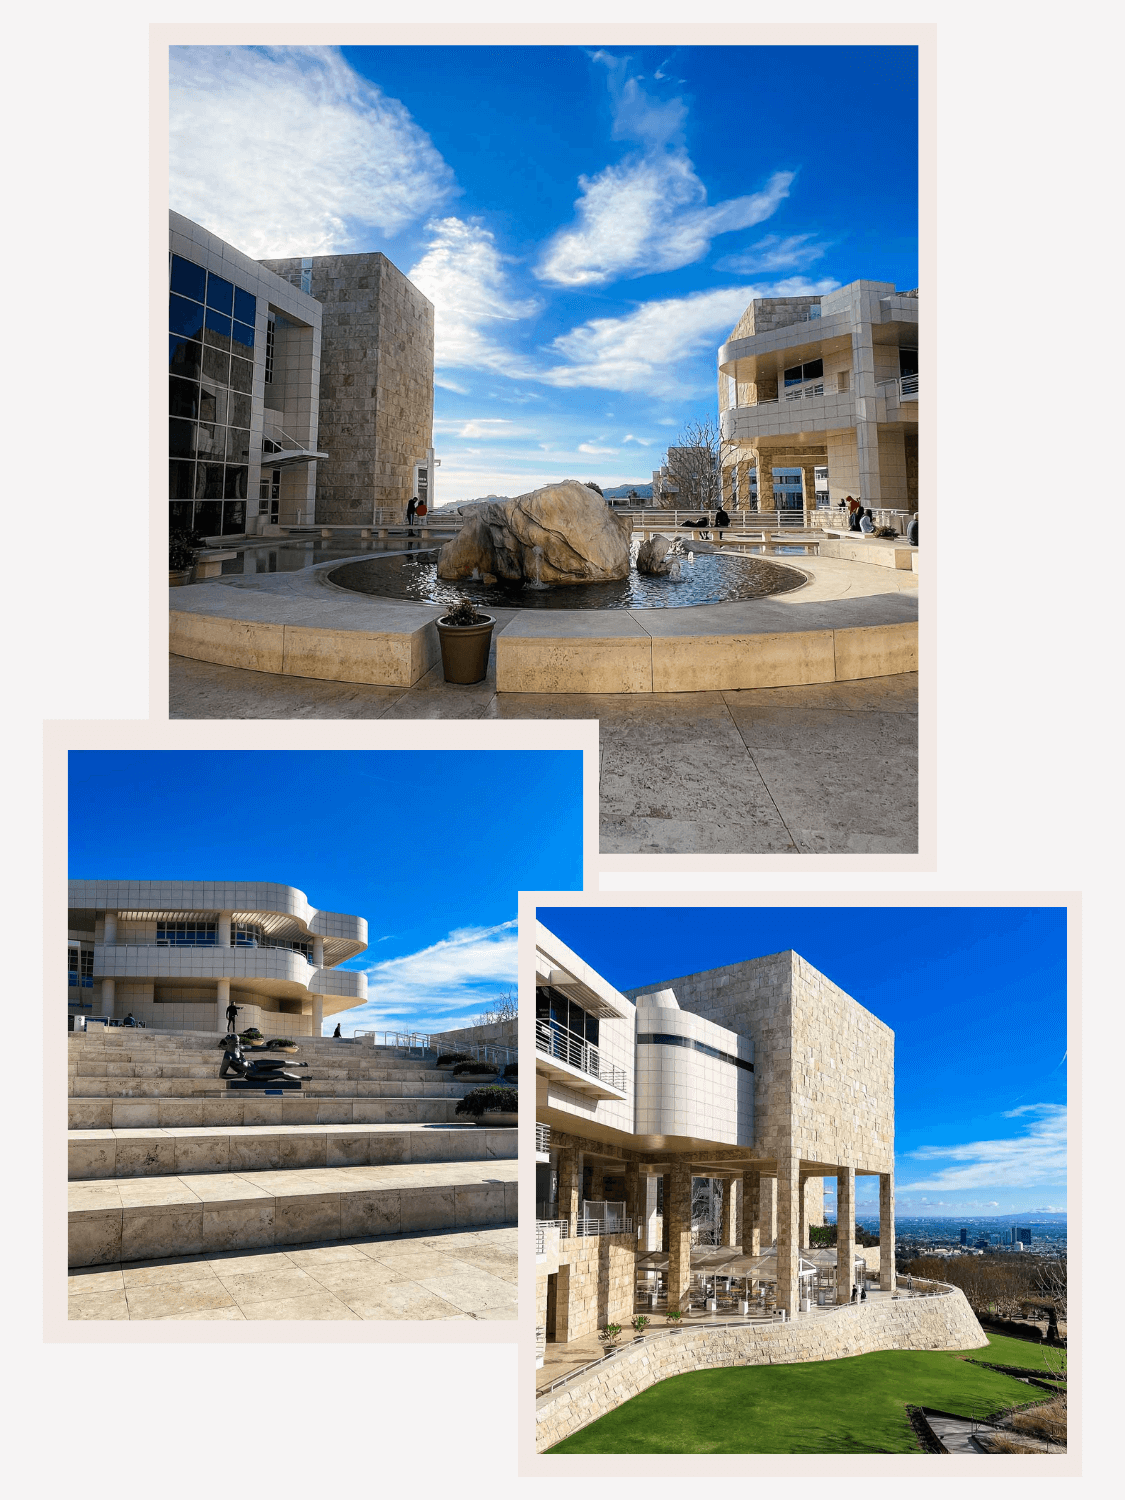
410 512
721 520
337 1031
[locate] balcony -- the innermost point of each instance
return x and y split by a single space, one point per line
542 1142
807 408
570 1059
902 388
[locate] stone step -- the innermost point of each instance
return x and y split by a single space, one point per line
263 1148
214 1087
251 1109
134 1069
116 1220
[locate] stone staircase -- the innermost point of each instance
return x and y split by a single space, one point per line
164 1160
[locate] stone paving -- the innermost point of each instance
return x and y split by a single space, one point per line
447 1277
830 768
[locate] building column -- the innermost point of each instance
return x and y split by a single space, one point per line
766 499
845 1233
222 930
109 935
569 1186
318 952
788 1250
727 1222
666 1213
886 1232
634 1203
803 1216
648 1189
222 1000
107 998
597 1181
866 425
768 1212
318 1015
751 1196
808 479
678 1214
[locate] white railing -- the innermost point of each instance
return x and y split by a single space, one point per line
754 521
906 386
585 1226
556 1042
488 1052
805 392
542 1137
562 1225
403 1041
540 1239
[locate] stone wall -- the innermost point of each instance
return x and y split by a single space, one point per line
939 1322
502 1033
376 384
765 313
596 1283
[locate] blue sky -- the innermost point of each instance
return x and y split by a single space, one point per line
430 846
590 224
976 998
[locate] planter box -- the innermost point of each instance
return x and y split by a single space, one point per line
499 1118
464 650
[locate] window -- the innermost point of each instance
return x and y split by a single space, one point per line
187 279
663 1039
270 334
190 934
813 369
80 968
269 488
908 361
559 1011
220 294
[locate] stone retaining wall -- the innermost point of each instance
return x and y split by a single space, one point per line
939 1322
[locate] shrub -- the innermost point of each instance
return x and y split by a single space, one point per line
251 1034
181 553
511 1071
453 1057
464 612
673 1315
610 1334
1003 1442
492 1096
282 1044
1046 1421
473 1066
888 531
640 1322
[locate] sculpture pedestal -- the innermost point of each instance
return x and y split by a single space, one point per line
264 1083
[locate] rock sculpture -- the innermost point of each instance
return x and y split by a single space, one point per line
267 1068
655 557
562 533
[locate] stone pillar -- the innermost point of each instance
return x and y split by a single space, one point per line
318 1015
808 480
648 1189
751 1195
678 1214
109 936
222 930
768 1212
728 1222
766 501
318 952
569 1185
222 1000
803 1216
666 1215
886 1232
866 424
845 1233
788 1214
597 1181
634 1202
107 998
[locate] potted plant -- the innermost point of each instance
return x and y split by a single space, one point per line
609 1336
473 1068
492 1105
181 559
448 1060
282 1044
674 1316
640 1323
466 638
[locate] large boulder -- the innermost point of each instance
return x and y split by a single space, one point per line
655 557
562 533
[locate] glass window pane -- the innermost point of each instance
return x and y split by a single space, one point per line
216 365
908 361
245 306
234 516
235 482
238 445
183 398
210 441
180 436
181 480
220 294
179 516
213 401
209 483
238 414
814 370
185 318
242 375
243 340
793 375
217 331
209 516
184 357
187 278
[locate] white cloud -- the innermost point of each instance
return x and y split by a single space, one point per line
773 253
640 351
644 442
450 980
592 448
1037 1156
288 151
648 212
463 274
481 427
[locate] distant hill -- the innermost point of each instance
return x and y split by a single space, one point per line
622 491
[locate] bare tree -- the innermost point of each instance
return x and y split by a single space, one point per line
689 479
505 1008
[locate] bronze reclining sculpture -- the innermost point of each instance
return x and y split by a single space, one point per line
270 1068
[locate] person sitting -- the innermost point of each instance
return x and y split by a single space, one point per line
866 524
912 531
130 1020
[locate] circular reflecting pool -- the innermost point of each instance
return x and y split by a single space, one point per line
711 578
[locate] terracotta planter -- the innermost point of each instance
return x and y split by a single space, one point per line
464 650
177 577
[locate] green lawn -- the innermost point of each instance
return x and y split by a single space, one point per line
834 1406
1028 1356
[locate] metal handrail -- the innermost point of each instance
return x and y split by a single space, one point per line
542 1137
564 1045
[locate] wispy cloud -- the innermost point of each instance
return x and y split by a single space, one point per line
1037 1156
645 350
288 151
794 253
464 275
593 448
648 212
441 985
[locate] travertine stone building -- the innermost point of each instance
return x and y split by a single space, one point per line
763 1074
176 953
376 383
815 382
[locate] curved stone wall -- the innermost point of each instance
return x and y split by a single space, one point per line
945 1321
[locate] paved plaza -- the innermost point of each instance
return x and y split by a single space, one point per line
831 768
449 1277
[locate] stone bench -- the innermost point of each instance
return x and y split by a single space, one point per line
210 564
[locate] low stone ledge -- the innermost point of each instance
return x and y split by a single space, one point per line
934 1322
